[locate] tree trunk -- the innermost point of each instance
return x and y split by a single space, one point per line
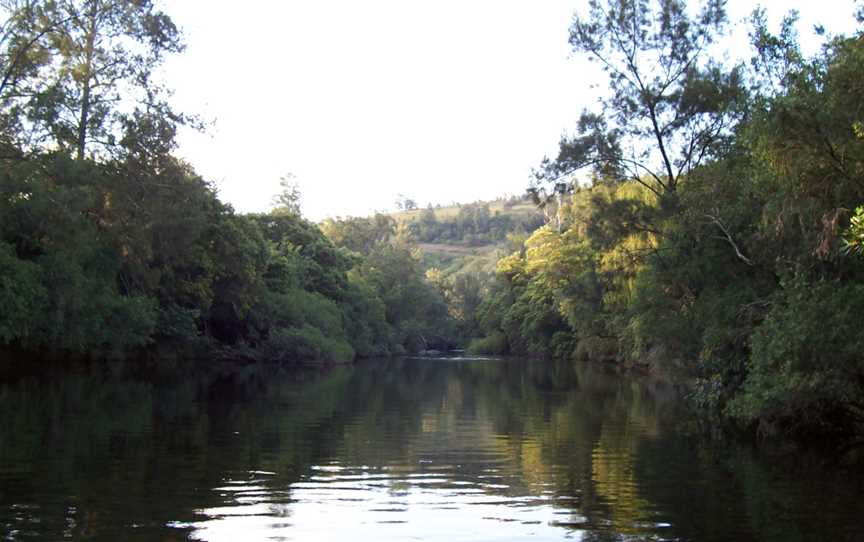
87 80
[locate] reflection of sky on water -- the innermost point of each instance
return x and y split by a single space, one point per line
339 503
455 476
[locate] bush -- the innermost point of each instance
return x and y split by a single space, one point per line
21 296
597 349
494 344
307 343
806 370
177 322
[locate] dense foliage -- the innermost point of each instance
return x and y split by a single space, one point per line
474 224
389 268
718 238
109 245
460 246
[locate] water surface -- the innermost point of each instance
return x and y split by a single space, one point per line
416 449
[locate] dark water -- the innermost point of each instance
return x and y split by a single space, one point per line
396 450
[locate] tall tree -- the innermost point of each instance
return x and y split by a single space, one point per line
25 50
288 200
104 55
669 105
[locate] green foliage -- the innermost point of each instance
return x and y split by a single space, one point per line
473 224
853 241
177 322
389 272
85 310
107 257
72 70
495 344
715 240
522 306
364 319
670 106
806 373
108 242
360 235
22 297
311 309
288 200
734 271
306 343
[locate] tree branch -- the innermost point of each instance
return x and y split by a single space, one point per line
728 237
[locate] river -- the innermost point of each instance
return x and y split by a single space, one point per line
412 449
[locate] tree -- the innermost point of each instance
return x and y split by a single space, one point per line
670 107
288 200
405 203
360 234
25 50
427 224
102 56
854 239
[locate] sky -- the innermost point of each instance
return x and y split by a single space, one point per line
362 100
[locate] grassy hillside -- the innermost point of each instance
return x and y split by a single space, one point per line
452 258
476 233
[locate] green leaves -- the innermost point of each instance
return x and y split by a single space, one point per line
807 363
387 271
71 68
853 241
22 296
669 108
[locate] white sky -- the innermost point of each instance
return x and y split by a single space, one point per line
440 100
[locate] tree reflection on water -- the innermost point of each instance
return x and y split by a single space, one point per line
440 449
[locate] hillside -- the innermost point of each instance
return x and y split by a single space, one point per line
451 237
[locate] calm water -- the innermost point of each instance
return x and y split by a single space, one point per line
395 450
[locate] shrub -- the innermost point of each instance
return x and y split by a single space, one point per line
806 370
307 343
495 344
